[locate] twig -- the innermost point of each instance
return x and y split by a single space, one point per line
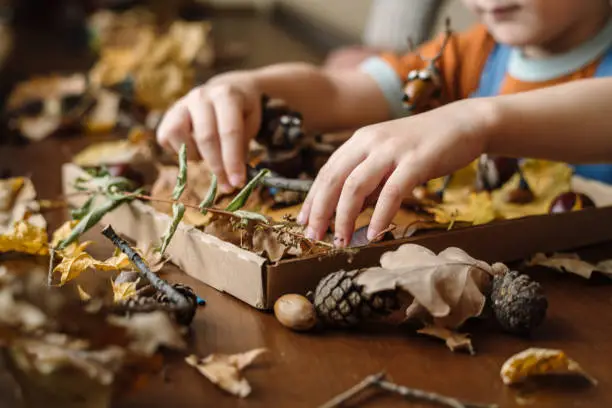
184 308
378 381
300 186
51 265
366 383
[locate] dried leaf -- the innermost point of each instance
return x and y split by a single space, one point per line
181 178
253 216
84 296
124 290
450 286
535 362
72 267
209 200
17 203
454 341
46 88
104 116
178 211
546 179
241 198
225 370
25 238
149 331
112 152
571 263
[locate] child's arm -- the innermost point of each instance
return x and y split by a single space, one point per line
569 122
218 119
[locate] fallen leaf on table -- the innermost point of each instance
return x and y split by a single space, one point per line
112 152
124 290
71 267
104 115
225 370
450 286
17 203
454 340
538 362
46 88
84 296
571 263
149 331
25 238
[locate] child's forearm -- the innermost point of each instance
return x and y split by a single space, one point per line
328 100
571 122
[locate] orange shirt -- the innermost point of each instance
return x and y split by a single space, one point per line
464 59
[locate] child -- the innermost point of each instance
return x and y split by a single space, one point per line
526 45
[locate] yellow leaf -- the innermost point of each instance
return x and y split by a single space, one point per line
124 290
82 294
71 267
477 209
537 362
25 238
225 370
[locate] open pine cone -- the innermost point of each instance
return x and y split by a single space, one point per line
340 302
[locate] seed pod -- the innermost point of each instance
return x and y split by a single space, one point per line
295 312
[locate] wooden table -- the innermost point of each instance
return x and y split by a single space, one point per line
305 370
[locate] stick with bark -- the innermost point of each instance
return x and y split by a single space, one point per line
185 309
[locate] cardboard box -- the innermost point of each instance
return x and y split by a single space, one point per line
252 279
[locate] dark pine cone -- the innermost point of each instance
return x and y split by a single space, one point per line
340 302
518 302
182 318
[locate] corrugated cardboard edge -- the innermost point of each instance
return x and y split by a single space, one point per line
502 241
219 264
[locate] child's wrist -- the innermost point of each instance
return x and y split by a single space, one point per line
488 117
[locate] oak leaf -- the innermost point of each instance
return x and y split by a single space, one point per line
225 370
450 287
17 203
72 267
535 362
112 152
124 290
571 263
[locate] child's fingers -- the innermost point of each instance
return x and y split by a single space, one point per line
360 184
403 180
229 108
207 138
325 197
175 126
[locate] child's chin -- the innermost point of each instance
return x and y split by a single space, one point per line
513 35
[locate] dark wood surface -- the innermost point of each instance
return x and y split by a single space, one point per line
305 370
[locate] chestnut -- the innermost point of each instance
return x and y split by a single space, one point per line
570 201
494 171
295 312
360 237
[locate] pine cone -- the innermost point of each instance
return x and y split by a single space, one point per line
340 302
518 302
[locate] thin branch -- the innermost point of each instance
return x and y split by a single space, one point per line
51 265
366 383
300 186
184 308
378 381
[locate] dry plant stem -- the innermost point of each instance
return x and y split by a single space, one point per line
161 285
366 383
300 186
228 214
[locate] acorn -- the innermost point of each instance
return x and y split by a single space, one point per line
295 312
570 201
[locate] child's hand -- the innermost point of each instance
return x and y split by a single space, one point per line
389 160
216 121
